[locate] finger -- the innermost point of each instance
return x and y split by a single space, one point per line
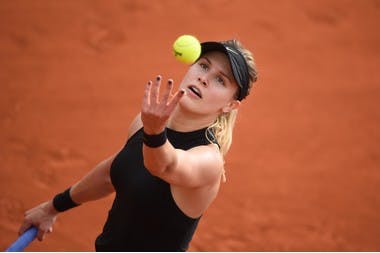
146 97
40 235
47 228
155 91
174 101
44 229
25 226
168 92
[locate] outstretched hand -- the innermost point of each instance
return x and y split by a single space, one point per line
156 111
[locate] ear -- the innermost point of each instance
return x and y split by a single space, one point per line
234 104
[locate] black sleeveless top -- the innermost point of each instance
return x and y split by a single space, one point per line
144 216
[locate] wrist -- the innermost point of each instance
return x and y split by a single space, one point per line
63 201
154 131
50 209
154 140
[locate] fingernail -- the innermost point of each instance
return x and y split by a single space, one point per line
158 78
182 92
150 82
170 82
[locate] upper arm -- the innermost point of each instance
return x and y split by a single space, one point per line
197 167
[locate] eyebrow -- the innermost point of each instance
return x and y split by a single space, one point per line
224 74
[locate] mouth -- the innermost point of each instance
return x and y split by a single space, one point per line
193 89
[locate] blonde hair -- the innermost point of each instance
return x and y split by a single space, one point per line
224 124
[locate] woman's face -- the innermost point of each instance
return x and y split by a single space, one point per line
210 86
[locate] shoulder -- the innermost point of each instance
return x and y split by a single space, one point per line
209 154
207 162
210 151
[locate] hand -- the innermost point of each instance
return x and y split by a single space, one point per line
155 111
42 217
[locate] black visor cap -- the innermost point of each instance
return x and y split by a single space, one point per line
237 61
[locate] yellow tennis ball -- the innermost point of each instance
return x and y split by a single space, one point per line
187 49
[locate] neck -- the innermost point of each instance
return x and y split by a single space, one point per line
186 122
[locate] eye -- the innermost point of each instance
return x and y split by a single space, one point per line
220 80
204 66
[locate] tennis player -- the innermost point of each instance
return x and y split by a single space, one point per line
172 165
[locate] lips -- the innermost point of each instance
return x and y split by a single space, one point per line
194 89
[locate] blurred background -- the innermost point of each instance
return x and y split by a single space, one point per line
303 171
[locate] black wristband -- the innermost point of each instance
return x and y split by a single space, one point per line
155 140
63 201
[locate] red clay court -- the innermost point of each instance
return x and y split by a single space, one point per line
303 173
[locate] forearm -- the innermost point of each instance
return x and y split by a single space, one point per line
159 154
89 189
95 185
160 159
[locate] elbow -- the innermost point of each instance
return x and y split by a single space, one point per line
157 169
156 173
159 161
108 185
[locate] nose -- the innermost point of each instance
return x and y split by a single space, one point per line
203 81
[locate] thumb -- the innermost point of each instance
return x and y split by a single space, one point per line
43 230
41 234
24 227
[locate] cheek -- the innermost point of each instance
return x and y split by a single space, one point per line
218 99
190 75
185 80
219 93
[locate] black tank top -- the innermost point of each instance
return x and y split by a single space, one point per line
144 216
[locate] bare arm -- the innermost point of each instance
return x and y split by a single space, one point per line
196 167
95 185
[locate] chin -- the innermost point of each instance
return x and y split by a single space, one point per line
195 108
189 105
